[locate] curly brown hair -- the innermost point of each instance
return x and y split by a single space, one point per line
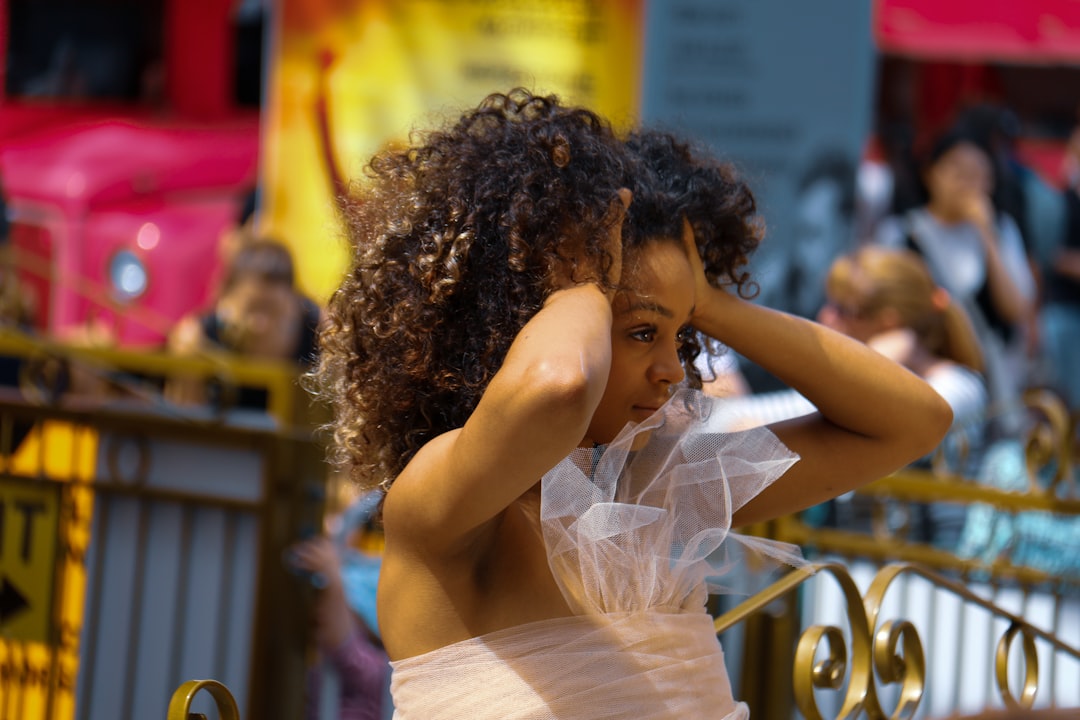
457 240
676 179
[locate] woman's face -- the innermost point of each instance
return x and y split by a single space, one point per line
258 312
651 319
962 171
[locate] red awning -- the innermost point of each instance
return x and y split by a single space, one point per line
1027 31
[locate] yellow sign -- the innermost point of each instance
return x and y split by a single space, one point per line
378 68
29 515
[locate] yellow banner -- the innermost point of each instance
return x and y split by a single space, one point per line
382 67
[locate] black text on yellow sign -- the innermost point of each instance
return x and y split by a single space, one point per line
29 515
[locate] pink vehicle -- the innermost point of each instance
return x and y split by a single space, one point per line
118 221
126 147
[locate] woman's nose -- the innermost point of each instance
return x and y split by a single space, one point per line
668 368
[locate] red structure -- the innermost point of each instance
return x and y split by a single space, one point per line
1032 31
939 57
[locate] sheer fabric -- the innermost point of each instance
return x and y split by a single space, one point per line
636 534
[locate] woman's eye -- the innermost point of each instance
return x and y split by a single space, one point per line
644 334
684 335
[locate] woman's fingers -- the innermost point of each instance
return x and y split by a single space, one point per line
615 249
701 283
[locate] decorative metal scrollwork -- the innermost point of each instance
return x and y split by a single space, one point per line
180 704
1031 668
899 658
886 652
1048 442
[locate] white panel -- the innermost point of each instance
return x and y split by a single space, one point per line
940 633
116 528
153 681
241 606
206 470
193 468
201 591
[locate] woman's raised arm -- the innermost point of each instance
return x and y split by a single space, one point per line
874 415
535 410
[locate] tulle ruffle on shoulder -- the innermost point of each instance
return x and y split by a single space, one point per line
645 521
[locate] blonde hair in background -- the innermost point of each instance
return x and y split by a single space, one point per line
874 279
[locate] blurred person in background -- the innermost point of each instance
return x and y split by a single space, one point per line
976 253
1060 314
995 129
1020 191
824 215
889 300
259 313
346 627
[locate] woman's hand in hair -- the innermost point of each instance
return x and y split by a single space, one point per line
584 268
706 296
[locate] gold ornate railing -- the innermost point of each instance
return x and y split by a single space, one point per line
887 651
883 651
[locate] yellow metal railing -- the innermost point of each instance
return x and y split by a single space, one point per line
43 355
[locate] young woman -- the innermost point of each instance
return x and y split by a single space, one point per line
513 367
977 254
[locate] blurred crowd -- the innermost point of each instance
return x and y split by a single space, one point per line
963 264
1002 239
1000 242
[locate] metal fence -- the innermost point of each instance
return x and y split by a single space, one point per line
902 622
141 543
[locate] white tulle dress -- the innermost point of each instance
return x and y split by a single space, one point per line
636 534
